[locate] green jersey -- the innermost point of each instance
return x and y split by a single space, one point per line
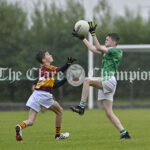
110 62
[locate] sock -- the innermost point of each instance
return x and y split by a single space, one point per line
123 132
82 104
23 125
58 131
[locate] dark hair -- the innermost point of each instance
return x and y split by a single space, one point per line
115 37
40 55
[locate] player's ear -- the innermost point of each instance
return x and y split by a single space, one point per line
115 43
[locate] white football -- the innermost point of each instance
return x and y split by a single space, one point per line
82 27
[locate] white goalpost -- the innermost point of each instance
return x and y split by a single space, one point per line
90 67
125 48
89 17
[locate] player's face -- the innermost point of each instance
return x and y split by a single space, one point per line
48 57
109 42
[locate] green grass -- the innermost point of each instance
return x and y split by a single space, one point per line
93 131
136 101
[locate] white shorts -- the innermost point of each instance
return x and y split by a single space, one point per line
109 88
40 98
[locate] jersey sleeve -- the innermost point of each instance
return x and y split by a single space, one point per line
63 68
54 68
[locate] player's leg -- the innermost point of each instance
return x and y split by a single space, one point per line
109 113
24 124
58 110
31 119
114 119
93 81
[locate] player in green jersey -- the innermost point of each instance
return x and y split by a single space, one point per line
106 83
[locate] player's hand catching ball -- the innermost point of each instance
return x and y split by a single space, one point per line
70 60
75 34
92 28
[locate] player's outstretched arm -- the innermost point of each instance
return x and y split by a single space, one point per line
59 83
98 45
95 40
70 60
90 46
86 42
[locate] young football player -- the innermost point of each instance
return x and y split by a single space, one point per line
42 97
111 57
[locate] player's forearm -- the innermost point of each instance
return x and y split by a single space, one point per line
60 83
70 60
90 46
98 45
63 68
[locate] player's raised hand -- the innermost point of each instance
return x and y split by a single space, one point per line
75 34
92 28
70 60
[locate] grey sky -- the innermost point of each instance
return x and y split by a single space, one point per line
116 5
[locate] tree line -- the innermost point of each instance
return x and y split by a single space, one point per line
50 29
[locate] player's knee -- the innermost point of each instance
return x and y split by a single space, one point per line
60 111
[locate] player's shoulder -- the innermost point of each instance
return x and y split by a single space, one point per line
50 67
114 50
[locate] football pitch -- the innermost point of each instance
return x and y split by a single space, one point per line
93 131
